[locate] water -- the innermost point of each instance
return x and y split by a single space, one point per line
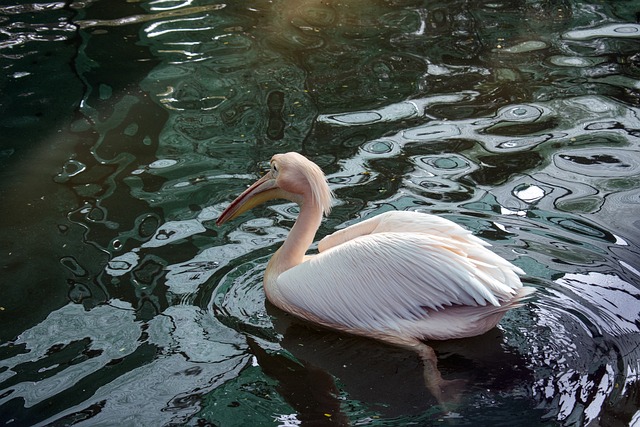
127 126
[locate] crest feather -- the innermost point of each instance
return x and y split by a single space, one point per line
320 190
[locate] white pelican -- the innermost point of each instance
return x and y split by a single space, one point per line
399 277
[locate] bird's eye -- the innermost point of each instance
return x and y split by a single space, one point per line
274 167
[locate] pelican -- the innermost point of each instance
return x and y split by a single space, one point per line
401 277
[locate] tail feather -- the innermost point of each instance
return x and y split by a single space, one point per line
522 294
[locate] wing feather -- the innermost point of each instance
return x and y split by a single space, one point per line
375 280
401 221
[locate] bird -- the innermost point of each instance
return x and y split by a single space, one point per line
401 277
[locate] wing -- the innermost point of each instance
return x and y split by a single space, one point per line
401 221
362 228
376 280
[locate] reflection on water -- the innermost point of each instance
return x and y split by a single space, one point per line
128 126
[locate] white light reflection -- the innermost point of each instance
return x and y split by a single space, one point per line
161 5
150 30
630 268
505 211
529 193
578 378
614 302
287 420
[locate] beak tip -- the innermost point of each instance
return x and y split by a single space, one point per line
263 189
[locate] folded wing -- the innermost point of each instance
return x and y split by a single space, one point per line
376 280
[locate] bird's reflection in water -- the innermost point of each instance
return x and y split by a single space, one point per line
389 380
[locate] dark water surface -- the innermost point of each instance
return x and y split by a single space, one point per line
127 126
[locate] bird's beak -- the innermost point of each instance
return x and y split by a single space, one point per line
260 191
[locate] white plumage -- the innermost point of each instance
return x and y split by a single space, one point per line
400 282
400 277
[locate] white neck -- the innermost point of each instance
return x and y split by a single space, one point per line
293 250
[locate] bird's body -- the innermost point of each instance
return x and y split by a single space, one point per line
425 279
399 277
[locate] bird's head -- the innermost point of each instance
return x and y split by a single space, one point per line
291 176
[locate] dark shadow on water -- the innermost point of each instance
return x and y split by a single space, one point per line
329 366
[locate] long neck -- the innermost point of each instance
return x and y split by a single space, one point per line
293 250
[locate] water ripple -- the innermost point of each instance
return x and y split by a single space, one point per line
593 162
239 298
110 330
602 305
520 123
624 30
135 19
